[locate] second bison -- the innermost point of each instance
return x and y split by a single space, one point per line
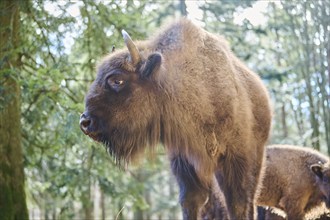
184 88
296 180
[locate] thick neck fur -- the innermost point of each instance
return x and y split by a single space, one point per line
315 199
127 144
178 130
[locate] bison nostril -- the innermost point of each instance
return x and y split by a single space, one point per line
84 124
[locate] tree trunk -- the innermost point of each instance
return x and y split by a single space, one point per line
324 5
12 196
183 8
147 197
283 120
296 117
139 213
279 65
102 204
308 78
305 70
173 194
86 198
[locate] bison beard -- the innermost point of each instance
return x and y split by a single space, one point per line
184 89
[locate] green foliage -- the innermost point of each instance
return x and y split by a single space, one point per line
68 175
59 57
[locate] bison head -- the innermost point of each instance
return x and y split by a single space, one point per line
122 105
322 172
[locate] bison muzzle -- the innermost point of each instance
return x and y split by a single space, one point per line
184 89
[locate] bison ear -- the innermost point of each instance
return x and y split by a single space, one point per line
151 66
317 170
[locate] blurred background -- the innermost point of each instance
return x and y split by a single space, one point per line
49 50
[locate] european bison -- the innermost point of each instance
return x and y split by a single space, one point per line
297 179
185 89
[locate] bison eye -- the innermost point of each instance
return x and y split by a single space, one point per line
115 83
119 82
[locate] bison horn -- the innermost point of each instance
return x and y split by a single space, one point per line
133 50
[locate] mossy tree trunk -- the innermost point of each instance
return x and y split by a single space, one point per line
87 198
12 194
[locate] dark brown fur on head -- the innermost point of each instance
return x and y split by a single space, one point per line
322 175
122 103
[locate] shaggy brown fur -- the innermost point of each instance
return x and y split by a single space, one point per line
187 91
271 213
296 180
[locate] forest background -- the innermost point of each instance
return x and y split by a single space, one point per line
49 49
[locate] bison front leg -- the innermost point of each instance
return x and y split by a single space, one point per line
193 195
